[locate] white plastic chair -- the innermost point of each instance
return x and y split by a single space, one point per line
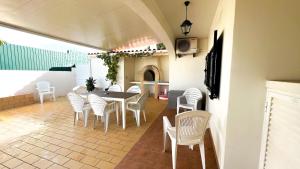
137 107
44 88
192 96
134 89
103 109
79 106
189 130
80 90
115 88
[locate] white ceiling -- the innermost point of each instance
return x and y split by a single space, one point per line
105 24
200 13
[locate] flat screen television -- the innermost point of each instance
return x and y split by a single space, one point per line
213 67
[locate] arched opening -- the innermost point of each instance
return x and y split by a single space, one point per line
149 75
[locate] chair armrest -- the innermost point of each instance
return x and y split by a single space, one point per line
132 99
166 124
196 103
52 88
132 102
111 106
178 99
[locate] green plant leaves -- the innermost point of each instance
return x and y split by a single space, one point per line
111 60
90 84
2 42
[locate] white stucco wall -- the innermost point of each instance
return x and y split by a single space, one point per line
265 47
23 82
188 71
223 22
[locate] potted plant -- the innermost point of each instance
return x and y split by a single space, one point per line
90 84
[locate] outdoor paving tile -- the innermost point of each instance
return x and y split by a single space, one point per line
106 165
90 160
25 166
52 148
12 163
59 159
73 164
55 166
76 156
31 158
4 157
63 151
43 136
42 163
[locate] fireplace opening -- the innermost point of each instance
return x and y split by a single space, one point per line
149 75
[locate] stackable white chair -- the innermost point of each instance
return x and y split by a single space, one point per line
103 109
80 90
189 130
137 107
44 88
192 96
79 106
134 89
115 88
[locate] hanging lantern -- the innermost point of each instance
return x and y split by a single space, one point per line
186 24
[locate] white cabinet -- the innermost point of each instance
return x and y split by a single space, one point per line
281 132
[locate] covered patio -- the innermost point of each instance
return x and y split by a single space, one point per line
43 136
149 84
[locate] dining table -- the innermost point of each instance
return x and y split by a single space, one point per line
121 97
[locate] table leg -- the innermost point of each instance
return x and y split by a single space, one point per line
86 115
123 114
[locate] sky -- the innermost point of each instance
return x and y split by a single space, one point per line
26 39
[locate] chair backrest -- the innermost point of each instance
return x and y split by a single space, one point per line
115 88
98 104
191 126
80 89
192 95
76 101
142 99
43 86
134 89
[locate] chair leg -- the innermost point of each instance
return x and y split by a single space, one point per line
144 113
85 115
177 109
106 121
117 114
75 114
53 96
165 140
174 154
202 152
138 117
135 116
41 98
95 117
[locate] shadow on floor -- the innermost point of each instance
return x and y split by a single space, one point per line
147 152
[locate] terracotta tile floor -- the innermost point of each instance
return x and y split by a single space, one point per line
43 136
147 152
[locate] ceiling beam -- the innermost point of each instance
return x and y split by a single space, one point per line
151 14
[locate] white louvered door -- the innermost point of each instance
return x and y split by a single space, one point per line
281 139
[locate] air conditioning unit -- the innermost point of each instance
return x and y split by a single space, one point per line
186 46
